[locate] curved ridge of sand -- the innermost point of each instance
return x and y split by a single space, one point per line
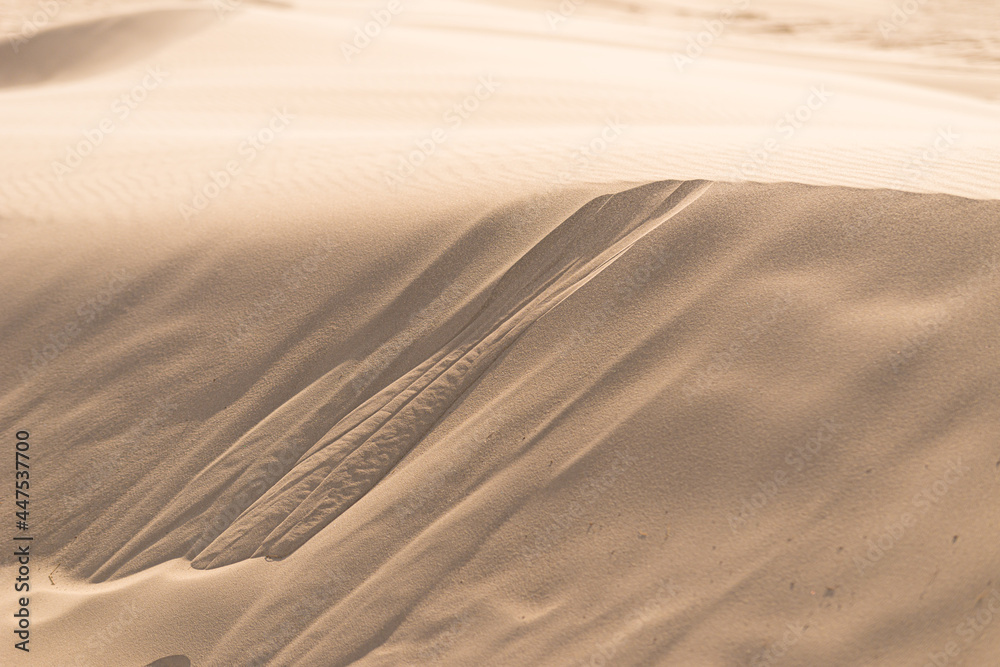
81 49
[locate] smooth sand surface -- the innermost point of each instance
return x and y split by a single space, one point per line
614 362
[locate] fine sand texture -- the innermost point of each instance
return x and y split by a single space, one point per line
489 338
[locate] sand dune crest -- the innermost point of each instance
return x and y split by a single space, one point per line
79 50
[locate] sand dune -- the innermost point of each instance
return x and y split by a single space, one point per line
493 344
614 442
88 47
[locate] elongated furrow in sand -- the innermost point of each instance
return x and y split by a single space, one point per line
365 445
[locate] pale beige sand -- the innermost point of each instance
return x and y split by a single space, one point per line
525 406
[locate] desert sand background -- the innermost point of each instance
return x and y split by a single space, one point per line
518 333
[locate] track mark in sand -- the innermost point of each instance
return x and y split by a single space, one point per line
369 441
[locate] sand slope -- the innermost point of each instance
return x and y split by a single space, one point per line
614 444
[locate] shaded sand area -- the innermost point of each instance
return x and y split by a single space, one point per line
487 345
